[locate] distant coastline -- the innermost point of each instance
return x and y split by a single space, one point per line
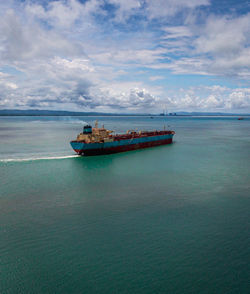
36 112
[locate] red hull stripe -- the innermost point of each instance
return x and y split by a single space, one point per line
123 148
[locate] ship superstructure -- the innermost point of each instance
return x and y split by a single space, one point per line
95 135
96 141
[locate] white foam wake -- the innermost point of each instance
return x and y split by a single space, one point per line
37 158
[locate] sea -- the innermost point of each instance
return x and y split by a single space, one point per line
168 219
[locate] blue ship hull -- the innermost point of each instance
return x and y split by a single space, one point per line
122 145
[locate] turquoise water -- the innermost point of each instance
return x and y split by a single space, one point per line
168 219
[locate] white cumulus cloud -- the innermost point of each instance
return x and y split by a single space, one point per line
121 55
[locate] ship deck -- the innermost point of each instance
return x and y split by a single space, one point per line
135 135
141 135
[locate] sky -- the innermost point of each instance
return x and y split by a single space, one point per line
125 56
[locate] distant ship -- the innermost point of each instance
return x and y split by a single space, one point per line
97 141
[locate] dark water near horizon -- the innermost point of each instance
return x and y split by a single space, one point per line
169 219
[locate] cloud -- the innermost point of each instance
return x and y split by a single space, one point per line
239 99
155 78
168 8
21 41
175 32
124 9
213 98
64 14
219 47
226 41
101 54
148 9
224 35
131 57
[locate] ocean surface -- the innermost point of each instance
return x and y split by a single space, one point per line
169 219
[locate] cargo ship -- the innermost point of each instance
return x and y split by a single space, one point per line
98 141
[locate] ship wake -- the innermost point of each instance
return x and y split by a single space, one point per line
38 158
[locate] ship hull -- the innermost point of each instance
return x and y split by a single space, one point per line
120 145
